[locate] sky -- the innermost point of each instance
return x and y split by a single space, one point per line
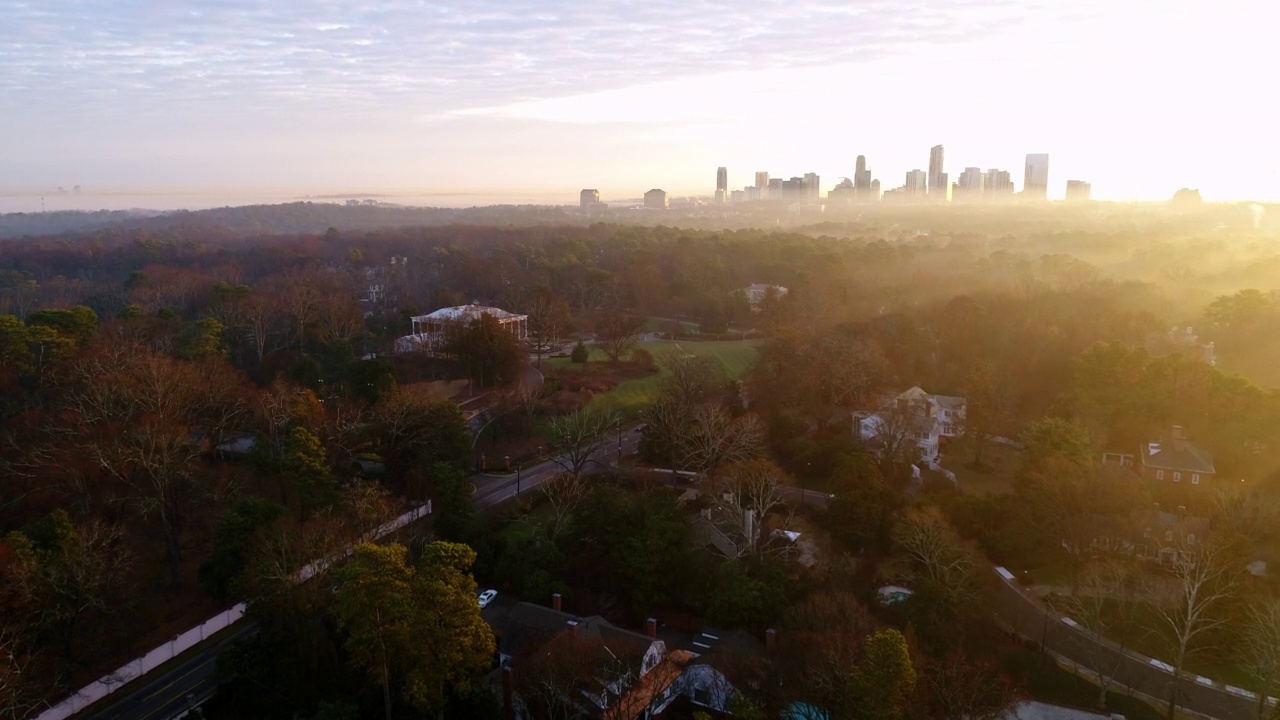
486 101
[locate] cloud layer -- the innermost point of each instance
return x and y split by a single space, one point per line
106 57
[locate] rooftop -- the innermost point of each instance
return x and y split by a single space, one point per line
467 313
1176 453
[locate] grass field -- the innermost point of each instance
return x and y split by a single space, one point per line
631 396
1002 459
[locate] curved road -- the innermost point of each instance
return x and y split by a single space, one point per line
1143 675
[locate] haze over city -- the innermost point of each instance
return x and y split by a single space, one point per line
228 103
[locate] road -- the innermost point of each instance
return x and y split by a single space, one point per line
175 691
1144 675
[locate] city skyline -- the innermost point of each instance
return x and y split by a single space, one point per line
524 101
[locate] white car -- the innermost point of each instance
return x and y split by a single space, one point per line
487 597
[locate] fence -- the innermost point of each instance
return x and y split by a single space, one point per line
138 667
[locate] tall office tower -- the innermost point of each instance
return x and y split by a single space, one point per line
998 183
875 190
721 197
762 185
937 181
862 181
589 198
859 168
970 185
722 181
1078 190
1035 181
812 190
655 199
917 184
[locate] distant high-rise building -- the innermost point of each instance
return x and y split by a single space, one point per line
738 196
970 186
875 191
589 198
917 184
937 179
859 168
997 183
1035 180
843 193
722 180
862 181
656 199
762 184
1078 190
812 189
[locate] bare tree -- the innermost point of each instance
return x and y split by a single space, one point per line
618 332
1202 578
19 694
548 318
578 436
1261 652
749 491
564 492
713 438
935 550
898 430
1105 606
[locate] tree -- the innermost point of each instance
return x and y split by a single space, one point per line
453 516
220 573
578 436
375 608
960 687
1105 607
1203 577
1261 651
565 493
580 354
713 438
548 317
885 678
898 429
748 491
618 332
985 409
305 467
411 429
1057 438
454 644
485 349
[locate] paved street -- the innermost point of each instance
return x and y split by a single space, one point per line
1144 675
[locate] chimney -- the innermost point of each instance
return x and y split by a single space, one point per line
555 601
508 708
651 628
1179 442
770 638
573 627
1177 432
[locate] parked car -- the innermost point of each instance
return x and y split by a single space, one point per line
487 597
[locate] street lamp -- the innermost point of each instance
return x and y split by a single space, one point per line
517 480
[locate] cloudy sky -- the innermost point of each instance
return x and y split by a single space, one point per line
498 99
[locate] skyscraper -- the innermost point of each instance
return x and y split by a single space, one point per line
589 198
862 181
656 199
1035 181
762 184
812 194
997 183
722 180
1078 190
937 180
917 184
971 184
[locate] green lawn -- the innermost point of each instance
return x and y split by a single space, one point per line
631 396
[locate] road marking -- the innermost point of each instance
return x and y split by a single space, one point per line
1204 680
1163 666
1241 692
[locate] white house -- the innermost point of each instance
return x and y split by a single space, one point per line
930 419
431 331
757 292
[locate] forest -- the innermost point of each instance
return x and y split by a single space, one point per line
194 407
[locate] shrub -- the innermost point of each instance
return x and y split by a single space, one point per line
580 354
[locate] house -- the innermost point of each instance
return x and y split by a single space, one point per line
1175 459
431 332
757 293
617 674
931 420
1161 537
